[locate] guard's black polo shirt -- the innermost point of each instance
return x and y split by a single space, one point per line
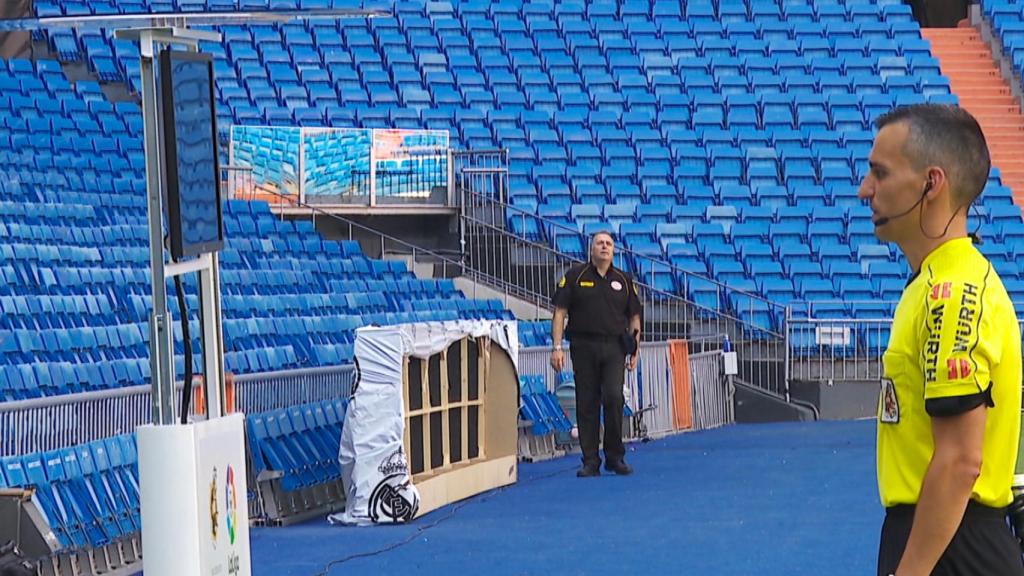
598 305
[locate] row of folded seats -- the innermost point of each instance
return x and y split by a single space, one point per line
37 361
273 70
73 286
49 8
541 407
839 340
571 11
536 333
301 49
89 493
413 12
1007 19
301 442
836 339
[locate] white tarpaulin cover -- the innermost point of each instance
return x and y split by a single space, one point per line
374 467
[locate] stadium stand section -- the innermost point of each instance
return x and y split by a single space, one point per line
49 9
75 259
535 333
975 75
725 138
89 493
300 442
1007 20
540 406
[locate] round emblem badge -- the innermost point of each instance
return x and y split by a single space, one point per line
616 285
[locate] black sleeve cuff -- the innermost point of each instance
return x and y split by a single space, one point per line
955 405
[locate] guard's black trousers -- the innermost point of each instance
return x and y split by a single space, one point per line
982 546
599 368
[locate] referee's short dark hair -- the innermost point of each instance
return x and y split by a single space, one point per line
946 136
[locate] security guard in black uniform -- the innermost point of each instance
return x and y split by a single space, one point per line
604 326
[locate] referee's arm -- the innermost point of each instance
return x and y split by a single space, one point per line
947 487
957 395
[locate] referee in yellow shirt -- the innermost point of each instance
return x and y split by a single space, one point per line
949 411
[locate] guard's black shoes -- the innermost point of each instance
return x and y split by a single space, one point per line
588 471
620 468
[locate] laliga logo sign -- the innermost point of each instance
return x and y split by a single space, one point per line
231 519
231 505
214 517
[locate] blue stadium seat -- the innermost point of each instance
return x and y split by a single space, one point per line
696 107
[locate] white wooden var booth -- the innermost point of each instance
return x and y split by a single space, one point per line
432 418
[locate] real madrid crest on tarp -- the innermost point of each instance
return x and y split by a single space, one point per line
374 467
394 499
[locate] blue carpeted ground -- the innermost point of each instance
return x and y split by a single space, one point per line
776 499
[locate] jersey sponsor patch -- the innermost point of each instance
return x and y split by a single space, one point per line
942 291
616 285
889 411
586 284
959 368
949 314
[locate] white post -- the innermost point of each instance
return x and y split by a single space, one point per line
301 169
193 480
160 349
373 167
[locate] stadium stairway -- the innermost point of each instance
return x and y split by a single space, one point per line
974 75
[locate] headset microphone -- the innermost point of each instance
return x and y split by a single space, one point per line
886 219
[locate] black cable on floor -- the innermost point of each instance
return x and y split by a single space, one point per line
451 512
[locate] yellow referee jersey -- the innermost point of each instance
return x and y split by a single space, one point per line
955 344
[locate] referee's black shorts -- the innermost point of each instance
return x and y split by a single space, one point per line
982 546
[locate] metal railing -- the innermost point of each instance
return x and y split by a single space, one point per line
840 349
377 244
532 269
426 182
836 349
276 390
483 184
483 171
528 269
43 424
237 182
712 393
649 392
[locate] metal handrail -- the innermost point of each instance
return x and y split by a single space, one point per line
352 225
544 247
626 251
488 243
662 295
